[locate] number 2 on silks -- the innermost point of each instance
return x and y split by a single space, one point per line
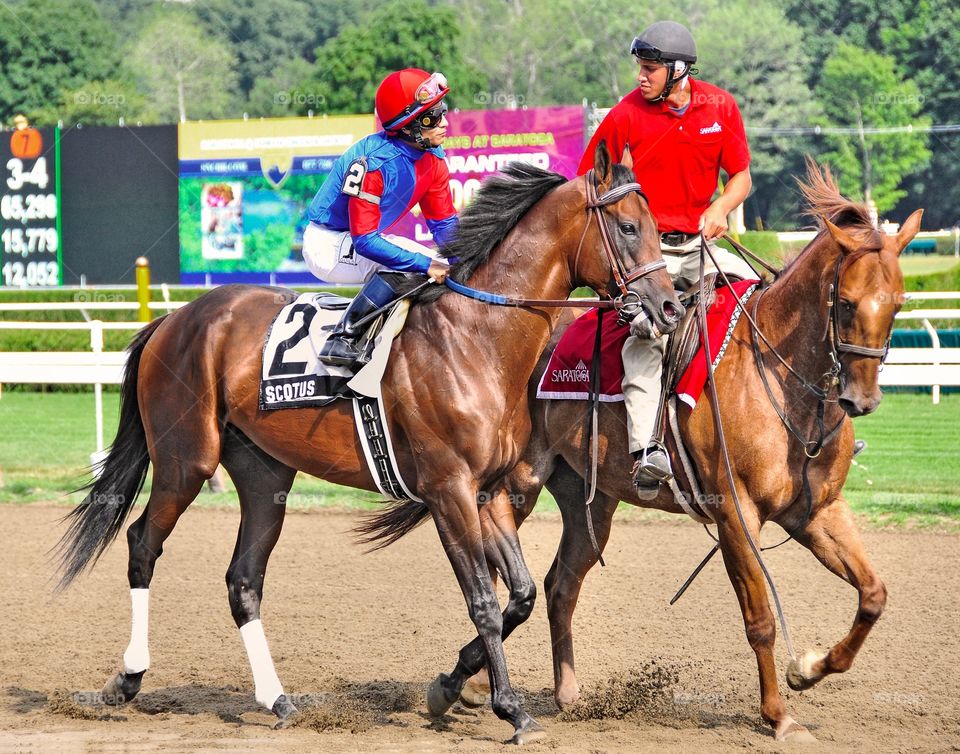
353 180
278 366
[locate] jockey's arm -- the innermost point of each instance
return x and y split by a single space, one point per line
364 210
443 230
437 206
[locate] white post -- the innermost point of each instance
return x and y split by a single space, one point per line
96 345
935 342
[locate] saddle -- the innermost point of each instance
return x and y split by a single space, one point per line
684 341
683 345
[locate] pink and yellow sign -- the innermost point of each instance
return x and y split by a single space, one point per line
480 142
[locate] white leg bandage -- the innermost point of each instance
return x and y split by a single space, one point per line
266 684
137 657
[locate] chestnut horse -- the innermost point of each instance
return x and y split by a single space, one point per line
794 314
455 388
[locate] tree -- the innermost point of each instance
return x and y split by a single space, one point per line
47 46
924 38
861 90
401 34
762 62
100 103
185 71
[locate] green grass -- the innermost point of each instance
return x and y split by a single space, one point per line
909 474
918 265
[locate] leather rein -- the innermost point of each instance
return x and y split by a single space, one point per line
627 301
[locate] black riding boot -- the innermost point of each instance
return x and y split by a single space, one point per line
340 350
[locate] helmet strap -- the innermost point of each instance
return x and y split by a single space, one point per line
413 134
672 80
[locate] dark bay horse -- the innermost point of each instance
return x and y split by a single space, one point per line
455 389
794 314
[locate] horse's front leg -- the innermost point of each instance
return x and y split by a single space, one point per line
758 620
832 537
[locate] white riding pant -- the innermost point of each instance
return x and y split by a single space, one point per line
330 255
643 359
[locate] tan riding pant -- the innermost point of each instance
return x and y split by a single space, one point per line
643 359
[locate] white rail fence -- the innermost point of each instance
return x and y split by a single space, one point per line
921 367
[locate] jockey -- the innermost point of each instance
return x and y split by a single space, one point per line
681 133
374 184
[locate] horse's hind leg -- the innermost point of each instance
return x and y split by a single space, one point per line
173 489
575 557
262 484
832 537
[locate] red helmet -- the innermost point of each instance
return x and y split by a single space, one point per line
403 95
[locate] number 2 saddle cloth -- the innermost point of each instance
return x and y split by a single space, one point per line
292 376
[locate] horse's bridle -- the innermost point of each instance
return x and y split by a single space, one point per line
628 302
838 346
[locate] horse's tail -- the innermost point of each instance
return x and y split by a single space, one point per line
385 527
97 520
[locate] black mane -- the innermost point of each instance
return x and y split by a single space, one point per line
499 204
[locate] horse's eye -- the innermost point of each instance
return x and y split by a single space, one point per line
628 229
847 306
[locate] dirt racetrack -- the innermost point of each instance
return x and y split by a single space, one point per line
357 637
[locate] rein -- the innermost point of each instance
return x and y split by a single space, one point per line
727 467
627 300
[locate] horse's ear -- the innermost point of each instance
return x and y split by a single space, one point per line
843 239
627 159
908 230
602 166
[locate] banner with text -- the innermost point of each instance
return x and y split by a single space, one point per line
480 142
244 190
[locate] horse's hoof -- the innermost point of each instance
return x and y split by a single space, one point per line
800 675
474 696
439 700
566 698
285 710
528 734
121 688
791 731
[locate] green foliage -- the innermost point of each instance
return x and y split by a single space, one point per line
924 38
100 103
184 71
541 52
762 61
764 244
401 34
861 89
947 280
46 47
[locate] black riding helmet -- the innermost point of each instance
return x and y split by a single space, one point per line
670 43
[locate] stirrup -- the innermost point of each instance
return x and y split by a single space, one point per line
648 474
339 351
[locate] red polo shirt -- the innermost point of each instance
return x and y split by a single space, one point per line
677 158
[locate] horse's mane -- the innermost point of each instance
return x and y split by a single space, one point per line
496 208
824 200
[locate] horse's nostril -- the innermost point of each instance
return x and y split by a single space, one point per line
670 312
